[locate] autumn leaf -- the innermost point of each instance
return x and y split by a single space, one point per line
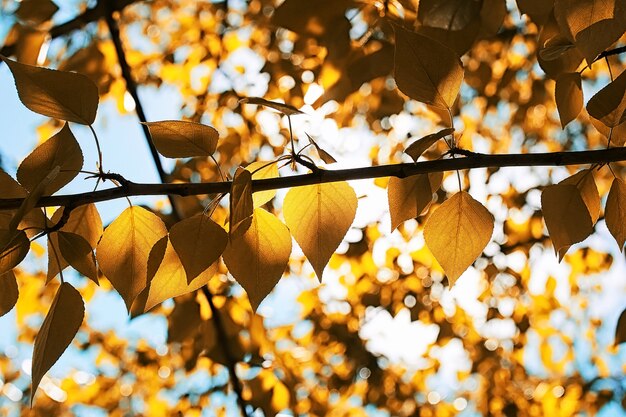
426 70
57 331
14 246
170 279
615 211
262 170
593 25
324 156
555 47
9 187
566 215
569 96
63 95
258 257
285 109
319 216
36 11
84 221
199 242
409 197
609 104
457 232
182 139
417 148
78 253
123 251
584 181
8 292
61 150
241 202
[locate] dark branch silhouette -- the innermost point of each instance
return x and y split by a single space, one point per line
472 160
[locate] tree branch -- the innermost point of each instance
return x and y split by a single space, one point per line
324 176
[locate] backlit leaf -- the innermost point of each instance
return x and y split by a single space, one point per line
584 181
566 215
199 242
8 292
170 279
57 331
448 14
417 148
593 25
569 96
59 94
609 104
14 246
84 221
30 201
324 156
410 196
620 330
78 253
61 150
182 139
554 47
261 170
285 109
457 232
319 216
426 70
123 251
241 202
615 211
258 258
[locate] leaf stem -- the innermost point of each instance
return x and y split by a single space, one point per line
95 137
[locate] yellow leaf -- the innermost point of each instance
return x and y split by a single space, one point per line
609 104
566 215
262 170
170 279
615 211
199 242
569 96
285 109
78 252
417 148
181 139
426 70
410 196
593 25
57 331
123 251
61 151
84 221
319 216
8 292
584 181
258 257
620 330
241 203
63 95
14 246
457 232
